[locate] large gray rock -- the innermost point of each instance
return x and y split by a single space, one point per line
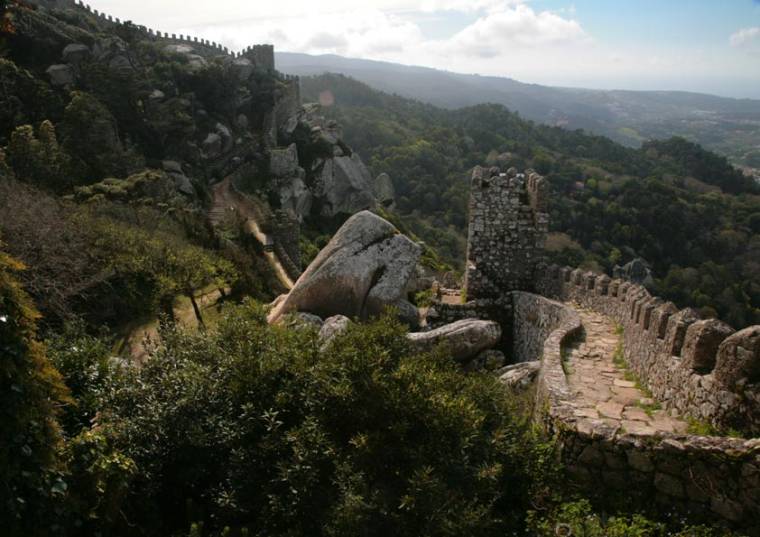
344 186
121 63
333 327
75 53
295 197
243 68
636 271
465 339
61 75
179 49
361 271
194 61
225 134
212 145
181 181
520 376
284 162
384 191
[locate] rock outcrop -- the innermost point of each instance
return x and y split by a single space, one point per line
636 271
75 53
339 181
465 339
61 75
344 185
362 270
384 191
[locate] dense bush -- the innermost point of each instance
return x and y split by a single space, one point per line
31 390
253 426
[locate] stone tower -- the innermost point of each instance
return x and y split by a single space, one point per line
508 226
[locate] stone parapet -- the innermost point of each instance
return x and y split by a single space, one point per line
702 477
702 369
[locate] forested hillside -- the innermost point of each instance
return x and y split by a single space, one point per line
728 126
686 211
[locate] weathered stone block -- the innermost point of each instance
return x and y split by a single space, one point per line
738 359
701 344
676 332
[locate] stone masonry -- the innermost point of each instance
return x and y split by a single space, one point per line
699 368
621 426
508 226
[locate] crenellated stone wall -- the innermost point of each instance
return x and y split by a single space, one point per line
708 479
700 368
260 56
507 232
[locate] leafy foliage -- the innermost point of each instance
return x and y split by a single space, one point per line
579 519
31 390
254 426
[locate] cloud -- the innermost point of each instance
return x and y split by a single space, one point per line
466 6
357 33
517 27
745 35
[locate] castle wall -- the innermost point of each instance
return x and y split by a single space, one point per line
706 478
700 368
261 56
507 232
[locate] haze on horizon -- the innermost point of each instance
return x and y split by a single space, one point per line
699 45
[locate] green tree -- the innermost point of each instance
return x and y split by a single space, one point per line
90 135
39 159
161 265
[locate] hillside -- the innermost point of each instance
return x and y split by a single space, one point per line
728 126
217 321
685 210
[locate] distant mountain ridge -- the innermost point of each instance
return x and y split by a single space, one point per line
729 126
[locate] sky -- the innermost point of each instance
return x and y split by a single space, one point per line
710 46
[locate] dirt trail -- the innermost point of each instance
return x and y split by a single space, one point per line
225 199
136 344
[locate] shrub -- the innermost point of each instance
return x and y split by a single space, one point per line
255 426
30 391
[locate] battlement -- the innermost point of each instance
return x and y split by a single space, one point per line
700 368
261 56
507 232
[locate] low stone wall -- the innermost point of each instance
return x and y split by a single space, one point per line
704 477
700 368
534 320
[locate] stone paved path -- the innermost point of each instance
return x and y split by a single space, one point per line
601 389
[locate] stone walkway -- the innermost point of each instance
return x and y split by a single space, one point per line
603 391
